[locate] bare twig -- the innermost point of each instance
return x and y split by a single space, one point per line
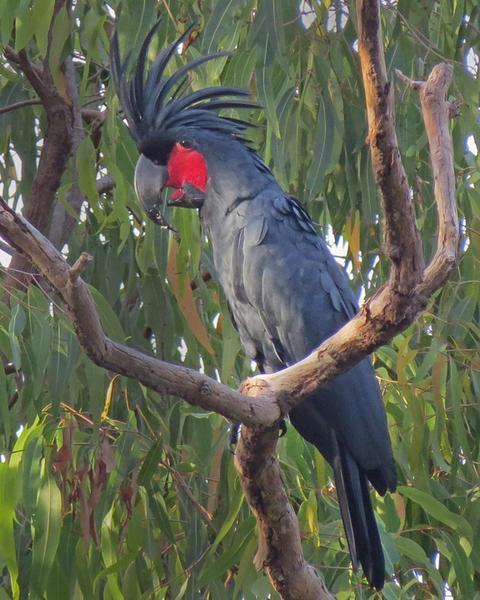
418 35
31 71
79 266
205 515
17 105
170 14
414 85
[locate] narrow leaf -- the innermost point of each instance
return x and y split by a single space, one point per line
437 510
185 299
46 535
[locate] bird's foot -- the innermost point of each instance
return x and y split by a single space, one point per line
235 431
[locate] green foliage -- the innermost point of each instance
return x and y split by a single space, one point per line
108 490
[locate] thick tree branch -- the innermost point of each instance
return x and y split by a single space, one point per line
62 222
385 314
436 112
56 148
279 545
403 243
397 304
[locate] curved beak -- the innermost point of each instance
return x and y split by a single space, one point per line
149 182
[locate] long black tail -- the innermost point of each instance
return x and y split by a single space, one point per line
358 517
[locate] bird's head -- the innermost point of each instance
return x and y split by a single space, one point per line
179 136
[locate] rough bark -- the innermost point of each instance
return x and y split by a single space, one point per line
55 153
389 311
62 221
279 544
397 304
402 240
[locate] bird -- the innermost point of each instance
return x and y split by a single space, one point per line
285 291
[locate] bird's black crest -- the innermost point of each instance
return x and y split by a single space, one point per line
153 104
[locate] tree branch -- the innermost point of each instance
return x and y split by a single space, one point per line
56 149
62 222
279 544
269 397
397 304
17 105
163 377
385 314
31 71
436 113
403 243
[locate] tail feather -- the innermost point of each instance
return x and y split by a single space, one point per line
342 495
358 517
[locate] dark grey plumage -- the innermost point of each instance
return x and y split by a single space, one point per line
154 105
285 291
287 294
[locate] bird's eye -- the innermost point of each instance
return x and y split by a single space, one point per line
186 143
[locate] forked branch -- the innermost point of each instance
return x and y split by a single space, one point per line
267 398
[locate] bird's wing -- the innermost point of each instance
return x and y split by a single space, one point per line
283 272
286 272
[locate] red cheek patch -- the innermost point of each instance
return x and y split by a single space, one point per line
186 165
